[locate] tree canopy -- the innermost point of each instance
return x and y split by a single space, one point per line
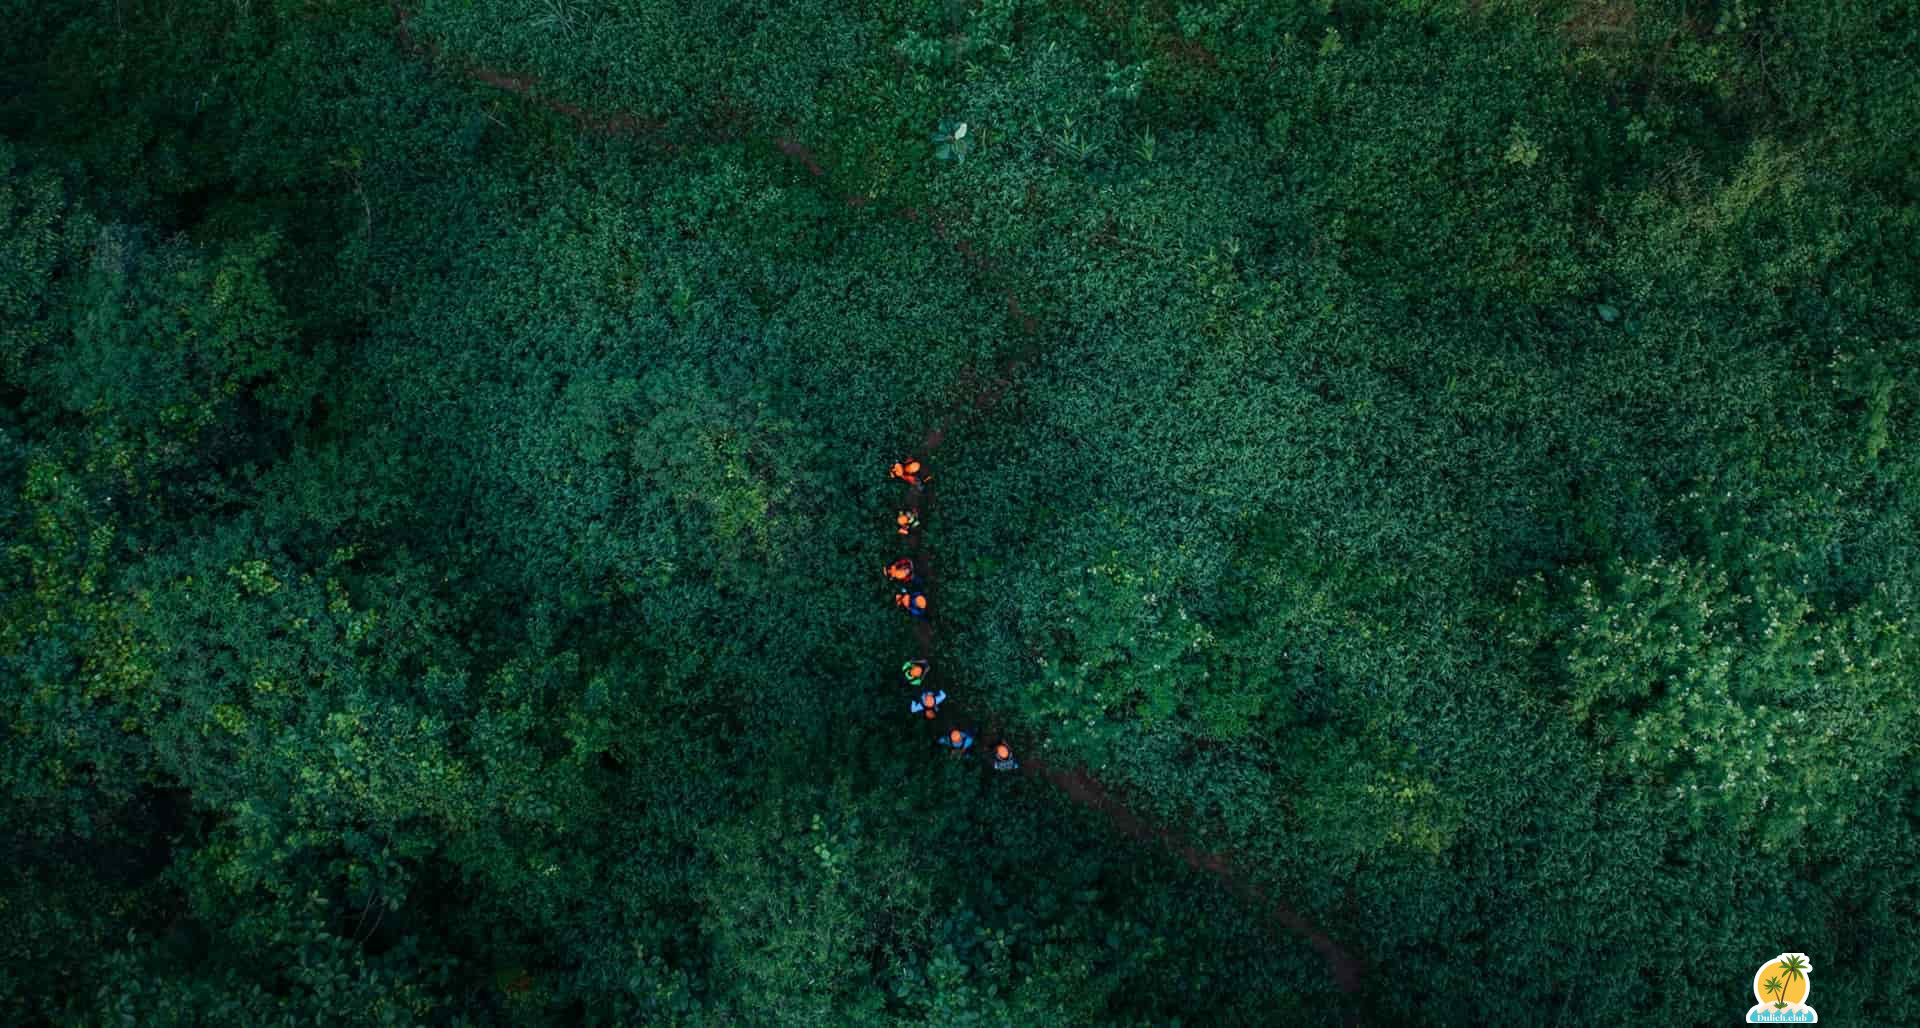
1448 462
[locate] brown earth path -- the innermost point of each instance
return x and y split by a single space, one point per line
1079 785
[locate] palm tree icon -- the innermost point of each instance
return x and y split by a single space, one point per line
1793 968
1776 986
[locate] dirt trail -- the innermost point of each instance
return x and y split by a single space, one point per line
1087 791
1079 785
526 87
976 398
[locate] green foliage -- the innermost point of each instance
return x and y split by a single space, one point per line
1454 458
41 234
951 141
1741 701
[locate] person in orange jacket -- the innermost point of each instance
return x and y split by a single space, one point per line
906 521
900 572
914 603
908 471
914 671
1003 757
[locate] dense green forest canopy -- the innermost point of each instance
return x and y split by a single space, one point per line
1454 457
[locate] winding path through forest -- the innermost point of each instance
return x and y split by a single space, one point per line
1080 786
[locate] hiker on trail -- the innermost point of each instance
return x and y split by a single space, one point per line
929 702
901 572
1003 757
911 602
957 741
914 671
906 521
908 471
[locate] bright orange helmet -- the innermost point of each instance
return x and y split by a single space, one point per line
1000 750
954 737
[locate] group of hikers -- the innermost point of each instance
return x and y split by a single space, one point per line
908 597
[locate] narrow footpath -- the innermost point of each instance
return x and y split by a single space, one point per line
1080 785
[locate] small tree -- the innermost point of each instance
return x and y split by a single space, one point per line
951 142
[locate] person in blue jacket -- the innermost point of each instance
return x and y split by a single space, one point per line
929 702
957 741
1003 757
